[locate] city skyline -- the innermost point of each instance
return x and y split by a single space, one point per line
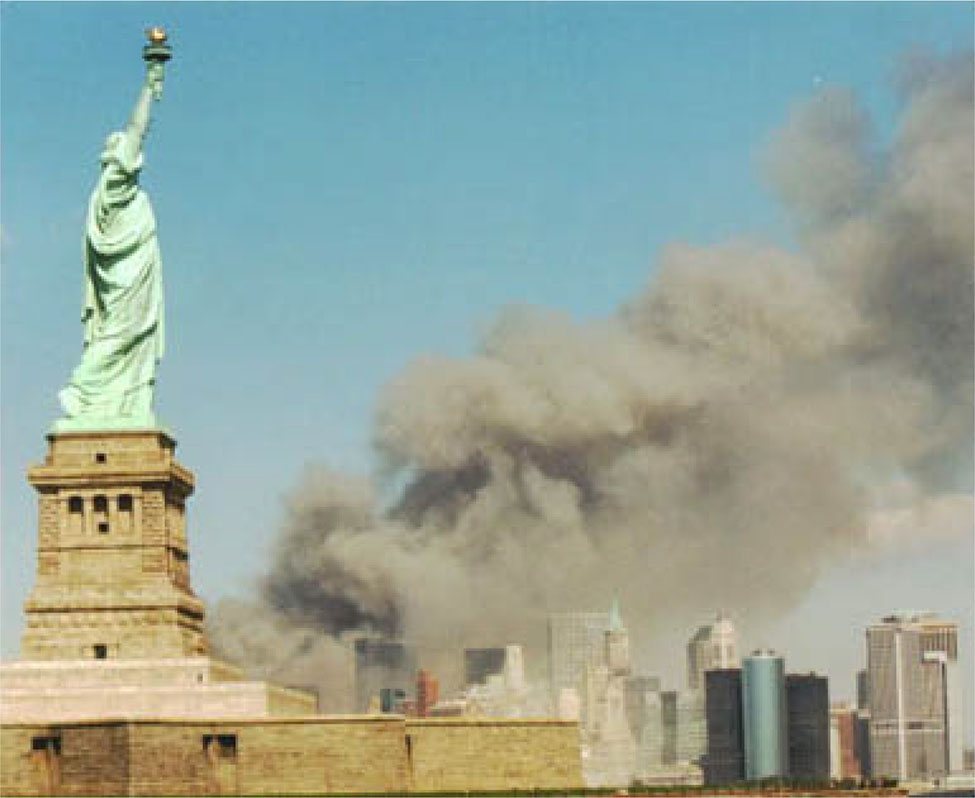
402 240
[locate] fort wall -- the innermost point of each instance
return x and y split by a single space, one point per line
287 756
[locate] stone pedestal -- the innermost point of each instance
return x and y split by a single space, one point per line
113 560
113 628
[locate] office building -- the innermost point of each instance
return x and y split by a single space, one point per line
612 747
843 760
692 735
427 692
641 693
863 690
764 716
861 737
643 712
574 640
382 664
514 669
480 663
659 742
724 762
648 733
807 727
668 721
914 697
712 646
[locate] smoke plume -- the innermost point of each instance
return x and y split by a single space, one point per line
716 443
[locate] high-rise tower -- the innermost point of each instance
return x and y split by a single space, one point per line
714 646
915 724
807 702
764 716
574 638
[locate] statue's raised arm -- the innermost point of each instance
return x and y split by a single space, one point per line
112 387
138 126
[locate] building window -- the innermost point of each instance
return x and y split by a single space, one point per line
52 744
101 651
125 503
101 457
103 527
220 746
76 504
101 504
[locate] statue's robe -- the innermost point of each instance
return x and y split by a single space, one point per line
123 308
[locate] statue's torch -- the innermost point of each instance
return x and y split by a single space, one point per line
155 54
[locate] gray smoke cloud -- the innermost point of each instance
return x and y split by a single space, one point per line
716 443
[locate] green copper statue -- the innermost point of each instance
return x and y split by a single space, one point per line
112 387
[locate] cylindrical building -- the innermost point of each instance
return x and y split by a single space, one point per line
763 712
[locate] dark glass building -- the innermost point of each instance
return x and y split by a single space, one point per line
861 743
724 762
863 690
807 708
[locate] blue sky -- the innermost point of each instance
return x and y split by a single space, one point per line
341 188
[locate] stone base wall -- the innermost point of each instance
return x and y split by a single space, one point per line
26 674
228 699
70 760
286 756
493 754
196 687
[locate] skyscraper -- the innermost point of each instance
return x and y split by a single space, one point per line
764 716
915 729
574 639
807 708
861 725
712 646
861 743
724 762
612 747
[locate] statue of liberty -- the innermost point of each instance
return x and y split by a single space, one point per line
112 387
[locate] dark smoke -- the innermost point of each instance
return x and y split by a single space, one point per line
718 442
